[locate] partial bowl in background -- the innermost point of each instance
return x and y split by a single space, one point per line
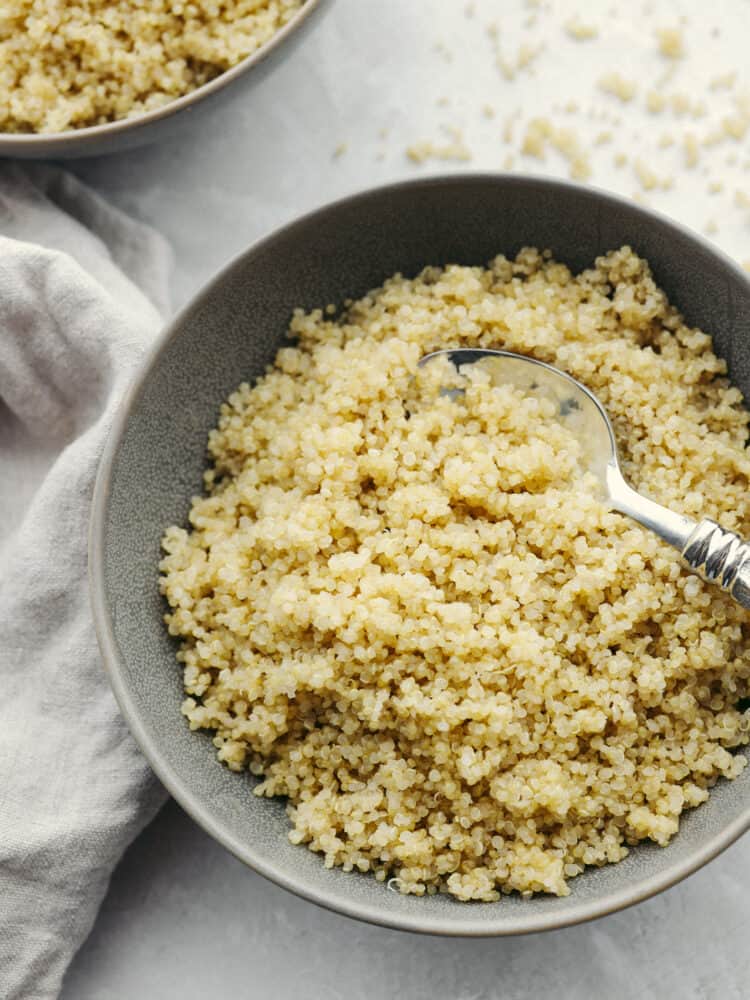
157 452
142 129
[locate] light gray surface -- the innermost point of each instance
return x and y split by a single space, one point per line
184 919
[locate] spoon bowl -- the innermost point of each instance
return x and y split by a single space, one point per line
717 555
577 408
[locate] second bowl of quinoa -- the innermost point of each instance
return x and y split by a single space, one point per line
410 638
87 78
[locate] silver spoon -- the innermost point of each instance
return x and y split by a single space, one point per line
717 555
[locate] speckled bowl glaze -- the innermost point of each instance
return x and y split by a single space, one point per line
129 133
156 454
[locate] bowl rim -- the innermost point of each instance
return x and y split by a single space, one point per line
15 143
611 901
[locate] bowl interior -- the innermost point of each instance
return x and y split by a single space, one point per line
156 456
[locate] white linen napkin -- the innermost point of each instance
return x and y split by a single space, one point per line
83 289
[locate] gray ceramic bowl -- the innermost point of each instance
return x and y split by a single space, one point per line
128 133
156 455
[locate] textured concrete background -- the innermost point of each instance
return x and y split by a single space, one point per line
183 919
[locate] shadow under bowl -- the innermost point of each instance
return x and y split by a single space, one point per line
157 451
143 129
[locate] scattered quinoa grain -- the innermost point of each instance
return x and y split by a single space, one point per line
579 30
618 86
509 125
649 179
691 150
540 132
454 149
670 42
736 125
655 102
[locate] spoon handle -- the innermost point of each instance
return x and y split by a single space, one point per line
717 555
721 557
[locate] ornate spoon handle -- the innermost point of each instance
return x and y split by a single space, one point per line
721 557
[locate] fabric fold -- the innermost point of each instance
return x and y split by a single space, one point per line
82 295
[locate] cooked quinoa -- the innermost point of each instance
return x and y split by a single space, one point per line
68 65
412 615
